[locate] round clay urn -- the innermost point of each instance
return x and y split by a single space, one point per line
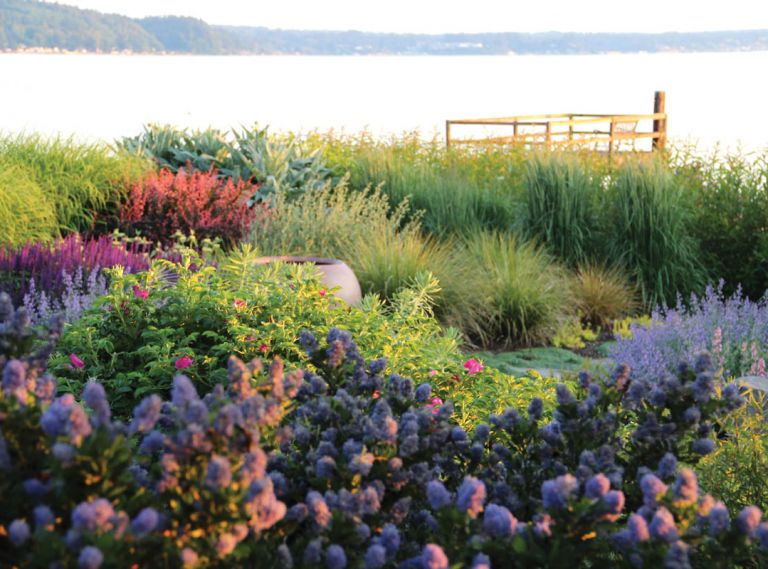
333 273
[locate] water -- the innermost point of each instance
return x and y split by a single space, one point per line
711 97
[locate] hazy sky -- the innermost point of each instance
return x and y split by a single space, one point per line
438 16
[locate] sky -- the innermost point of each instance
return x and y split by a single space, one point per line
457 16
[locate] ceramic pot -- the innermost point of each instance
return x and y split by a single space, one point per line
333 273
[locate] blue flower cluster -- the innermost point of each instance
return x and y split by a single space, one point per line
341 466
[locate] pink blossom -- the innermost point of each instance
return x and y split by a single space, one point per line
263 348
473 366
140 292
250 338
322 292
239 303
376 394
434 405
76 362
432 373
184 362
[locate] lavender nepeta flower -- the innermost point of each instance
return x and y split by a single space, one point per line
377 366
761 534
481 561
152 443
498 521
597 486
614 504
663 526
423 392
312 552
335 558
748 520
433 557
45 390
146 522
35 488
64 453
219 474
14 380
43 517
542 525
146 414
719 519
362 463
90 558
96 398
65 417
438 495
564 395
556 493
470 496
262 505
308 342
18 532
375 557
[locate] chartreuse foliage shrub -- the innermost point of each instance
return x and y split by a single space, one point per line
275 163
84 183
344 466
146 327
26 214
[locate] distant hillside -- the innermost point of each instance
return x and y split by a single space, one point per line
31 24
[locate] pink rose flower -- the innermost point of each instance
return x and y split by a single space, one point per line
432 373
250 338
434 405
239 303
263 348
140 292
473 366
76 362
184 362
322 292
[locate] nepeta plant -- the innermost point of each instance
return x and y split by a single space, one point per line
78 294
733 329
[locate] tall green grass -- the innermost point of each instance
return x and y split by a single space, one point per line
459 191
649 232
521 293
83 182
25 212
561 206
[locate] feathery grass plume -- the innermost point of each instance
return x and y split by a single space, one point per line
83 182
603 294
561 206
648 232
520 291
25 212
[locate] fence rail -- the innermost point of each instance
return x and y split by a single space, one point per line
563 130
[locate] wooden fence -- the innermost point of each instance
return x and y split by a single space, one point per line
591 130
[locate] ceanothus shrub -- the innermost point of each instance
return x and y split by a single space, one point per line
344 467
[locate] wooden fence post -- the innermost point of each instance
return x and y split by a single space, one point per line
447 134
610 135
659 125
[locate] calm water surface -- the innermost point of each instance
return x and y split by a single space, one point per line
711 97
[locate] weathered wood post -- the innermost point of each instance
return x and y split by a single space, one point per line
447 134
659 124
611 133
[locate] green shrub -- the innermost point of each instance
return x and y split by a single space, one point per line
729 197
25 212
602 295
85 183
648 232
520 292
736 471
561 206
145 329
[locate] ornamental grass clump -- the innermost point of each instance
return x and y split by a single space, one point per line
733 329
344 465
26 214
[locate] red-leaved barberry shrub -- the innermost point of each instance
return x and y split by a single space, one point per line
190 200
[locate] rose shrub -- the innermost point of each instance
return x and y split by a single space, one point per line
344 466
